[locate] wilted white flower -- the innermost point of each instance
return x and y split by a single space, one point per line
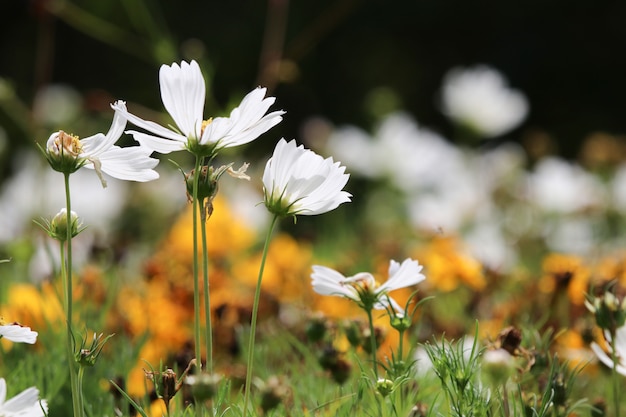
479 99
620 347
363 287
298 181
17 333
183 93
67 153
24 404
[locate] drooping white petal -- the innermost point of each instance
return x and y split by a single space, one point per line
150 126
98 143
18 334
183 93
156 143
605 359
131 163
327 281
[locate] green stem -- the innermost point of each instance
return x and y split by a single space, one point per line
208 331
401 341
196 280
614 374
66 272
372 342
255 310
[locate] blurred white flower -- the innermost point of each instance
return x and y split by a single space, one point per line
17 333
19 208
363 287
479 99
620 347
563 187
56 104
573 235
67 153
297 181
410 156
183 93
24 404
618 188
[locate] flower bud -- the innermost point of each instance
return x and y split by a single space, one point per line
204 386
58 225
316 328
384 386
400 322
609 312
273 393
498 366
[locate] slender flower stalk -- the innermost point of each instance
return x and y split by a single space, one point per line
196 280
255 311
66 265
66 153
296 181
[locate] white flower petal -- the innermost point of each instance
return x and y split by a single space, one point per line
131 163
183 93
156 143
150 126
303 182
327 281
402 275
18 334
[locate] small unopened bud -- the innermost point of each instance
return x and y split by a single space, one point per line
204 386
354 332
384 386
498 366
57 227
88 355
316 328
207 184
609 312
273 393
340 371
400 322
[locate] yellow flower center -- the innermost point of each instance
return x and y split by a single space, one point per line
205 123
67 143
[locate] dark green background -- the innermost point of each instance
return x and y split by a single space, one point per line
568 57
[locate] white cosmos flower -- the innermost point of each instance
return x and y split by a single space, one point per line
67 153
24 404
363 287
183 94
480 99
620 347
298 181
18 333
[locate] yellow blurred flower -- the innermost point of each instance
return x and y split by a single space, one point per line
567 273
447 266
